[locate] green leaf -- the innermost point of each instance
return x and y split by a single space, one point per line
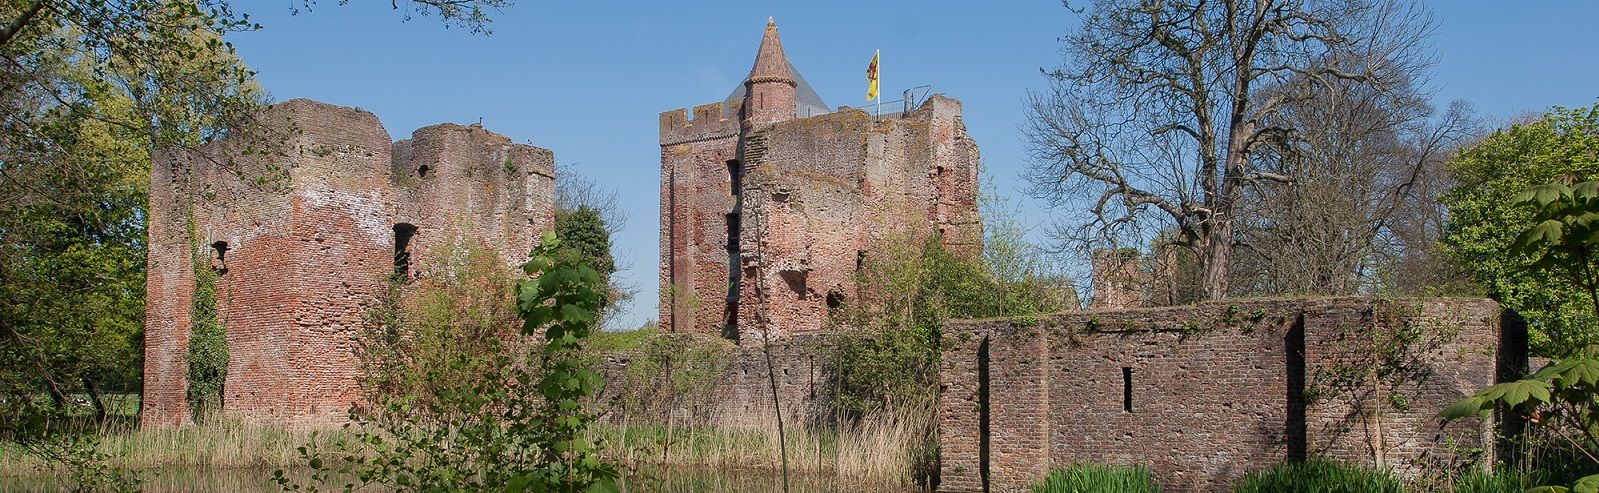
1588 484
1470 406
1545 233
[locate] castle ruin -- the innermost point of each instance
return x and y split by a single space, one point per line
770 202
303 222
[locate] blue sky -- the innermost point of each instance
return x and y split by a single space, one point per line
588 79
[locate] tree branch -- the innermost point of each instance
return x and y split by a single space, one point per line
20 22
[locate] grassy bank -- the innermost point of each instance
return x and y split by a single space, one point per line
214 444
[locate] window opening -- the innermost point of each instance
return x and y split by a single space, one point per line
402 251
220 261
1127 389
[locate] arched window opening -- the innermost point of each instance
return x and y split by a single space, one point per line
403 233
219 258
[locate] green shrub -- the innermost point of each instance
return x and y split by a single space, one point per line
1088 477
1320 476
520 425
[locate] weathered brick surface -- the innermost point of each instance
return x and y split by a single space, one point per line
1217 390
1118 279
742 394
307 207
806 199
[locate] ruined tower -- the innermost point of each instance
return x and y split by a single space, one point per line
770 202
303 222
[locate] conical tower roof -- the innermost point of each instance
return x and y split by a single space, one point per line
770 63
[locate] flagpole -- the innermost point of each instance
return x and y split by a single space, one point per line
878 55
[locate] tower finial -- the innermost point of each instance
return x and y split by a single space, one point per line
771 21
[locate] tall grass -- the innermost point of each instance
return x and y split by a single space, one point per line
1321 476
218 443
882 449
1088 477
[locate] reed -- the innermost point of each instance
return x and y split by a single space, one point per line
218 443
883 449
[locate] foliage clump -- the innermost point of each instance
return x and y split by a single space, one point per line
1089 477
208 345
456 313
1485 219
1559 233
518 425
664 372
888 354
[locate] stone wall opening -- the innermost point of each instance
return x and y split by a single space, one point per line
796 282
983 453
219 257
1295 427
1127 389
403 233
735 229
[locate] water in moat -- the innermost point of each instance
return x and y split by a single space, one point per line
650 481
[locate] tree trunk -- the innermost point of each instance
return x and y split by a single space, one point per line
1217 252
20 22
94 396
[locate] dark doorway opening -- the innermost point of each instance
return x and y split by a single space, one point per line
403 233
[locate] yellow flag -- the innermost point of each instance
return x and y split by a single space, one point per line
871 78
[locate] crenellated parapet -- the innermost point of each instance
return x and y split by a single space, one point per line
710 122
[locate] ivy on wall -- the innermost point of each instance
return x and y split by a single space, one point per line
208 345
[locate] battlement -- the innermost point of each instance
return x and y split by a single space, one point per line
710 121
432 141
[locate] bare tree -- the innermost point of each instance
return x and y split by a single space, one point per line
1368 166
1157 116
574 190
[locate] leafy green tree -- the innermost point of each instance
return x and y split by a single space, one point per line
89 89
1561 236
583 230
1484 220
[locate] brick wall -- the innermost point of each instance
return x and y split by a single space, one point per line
741 395
306 206
1204 394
